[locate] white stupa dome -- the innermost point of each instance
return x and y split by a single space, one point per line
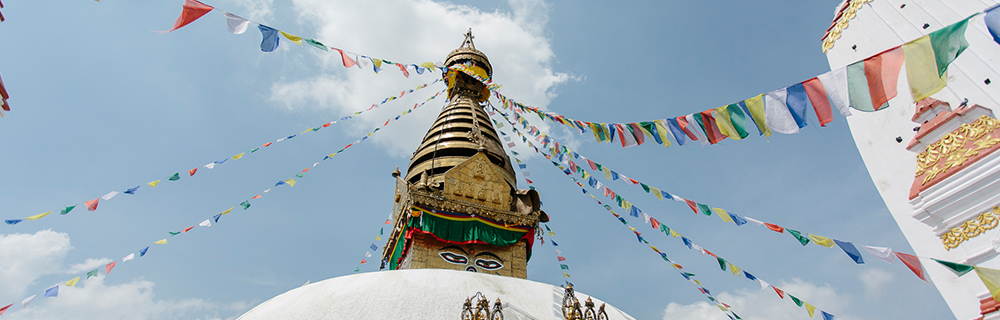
417 294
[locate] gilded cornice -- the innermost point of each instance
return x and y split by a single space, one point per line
841 22
970 229
441 203
959 148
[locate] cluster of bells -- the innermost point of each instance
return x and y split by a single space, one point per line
571 308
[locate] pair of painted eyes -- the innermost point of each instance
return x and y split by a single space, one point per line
460 259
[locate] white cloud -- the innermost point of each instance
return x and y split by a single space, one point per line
25 258
416 31
765 304
257 10
875 281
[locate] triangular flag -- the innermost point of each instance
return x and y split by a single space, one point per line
108 267
216 217
236 24
823 241
192 11
290 182
348 62
363 261
763 284
143 251
723 214
52 291
826 316
109 195
238 156
5 308
130 256
67 209
779 291
256 197
990 278
206 223
810 309
755 221
796 300
228 210
28 300
774 227
292 38
913 263
566 275
153 184
321 46
164 241
798 236
92 204
38 216
883 253
72 282
850 250
959 269
192 171
270 39
92 273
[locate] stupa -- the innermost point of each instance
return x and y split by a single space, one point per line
462 232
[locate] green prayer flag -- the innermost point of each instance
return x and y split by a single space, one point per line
710 298
948 43
689 274
705 209
254 150
300 175
358 269
92 273
546 227
175 177
515 152
738 119
798 235
564 267
245 204
531 187
67 209
664 228
380 231
857 87
316 44
959 269
317 128
734 314
174 233
644 187
722 263
796 300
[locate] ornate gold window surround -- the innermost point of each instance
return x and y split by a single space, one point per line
970 229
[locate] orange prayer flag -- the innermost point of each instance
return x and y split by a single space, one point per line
92 204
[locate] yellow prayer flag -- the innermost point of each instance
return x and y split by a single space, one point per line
734 269
756 107
153 184
37 216
292 37
809 308
657 193
565 275
723 214
378 63
674 234
725 125
696 281
990 278
633 229
237 157
331 155
626 205
721 307
663 131
607 172
378 237
552 234
654 248
428 65
307 130
290 182
72 282
586 175
823 241
164 241
228 210
921 69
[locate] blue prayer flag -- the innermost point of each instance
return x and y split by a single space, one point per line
633 211
798 103
374 247
851 251
826 316
523 166
614 175
221 161
52 292
592 182
992 20
687 242
217 217
743 106
132 190
737 219
143 251
675 128
749 276
666 195
270 40
555 244
282 182
13 222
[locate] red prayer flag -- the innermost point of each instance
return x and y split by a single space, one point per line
3 91
92 204
633 181
693 205
774 227
703 290
913 263
560 258
4 309
348 62
709 253
640 138
327 124
593 166
267 144
192 171
363 261
817 96
388 221
882 71
711 129
780 293
305 170
192 11
403 69
188 229
684 126
528 180
653 222
255 197
108 267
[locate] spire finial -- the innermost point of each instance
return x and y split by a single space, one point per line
468 40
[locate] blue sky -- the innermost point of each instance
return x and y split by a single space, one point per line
102 104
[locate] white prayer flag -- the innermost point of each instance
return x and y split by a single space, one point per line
763 284
883 253
645 217
26 301
236 24
210 165
205 223
128 257
776 113
368 254
109 195
558 253
755 221
696 130
835 84
268 190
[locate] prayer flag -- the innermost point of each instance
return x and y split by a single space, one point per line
153 184
835 84
93 273
857 87
109 195
798 103
235 23
705 209
723 214
777 116
677 132
749 276
175 177
238 156
756 107
913 263
130 256
228 210
708 123
563 266
143 251
256 197
245 204
958 268
52 291
992 20
724 123
826 316
403 69
691 124
779 291
270 38
850 250
823 241
810 308
363 261
192 11
798 236
560 258
921 69
818 99
28 300
991 279
566 275
882 71
948 43
206 223
763 284
164 241
737 219
368 254
292 37
38 216
290 182
192 171
885 254
188 229
774 227
755 221
72 282
374 247
5 308
92 204
796 300
216 217
68 209
722 263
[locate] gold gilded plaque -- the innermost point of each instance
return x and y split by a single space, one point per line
477 181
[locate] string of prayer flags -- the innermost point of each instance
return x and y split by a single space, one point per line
865 85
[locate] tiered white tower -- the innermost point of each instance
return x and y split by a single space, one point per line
945 203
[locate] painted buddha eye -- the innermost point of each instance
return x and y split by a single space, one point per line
454 258
488 264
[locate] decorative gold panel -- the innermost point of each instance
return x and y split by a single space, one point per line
970 229
477 181
953 150
840 25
